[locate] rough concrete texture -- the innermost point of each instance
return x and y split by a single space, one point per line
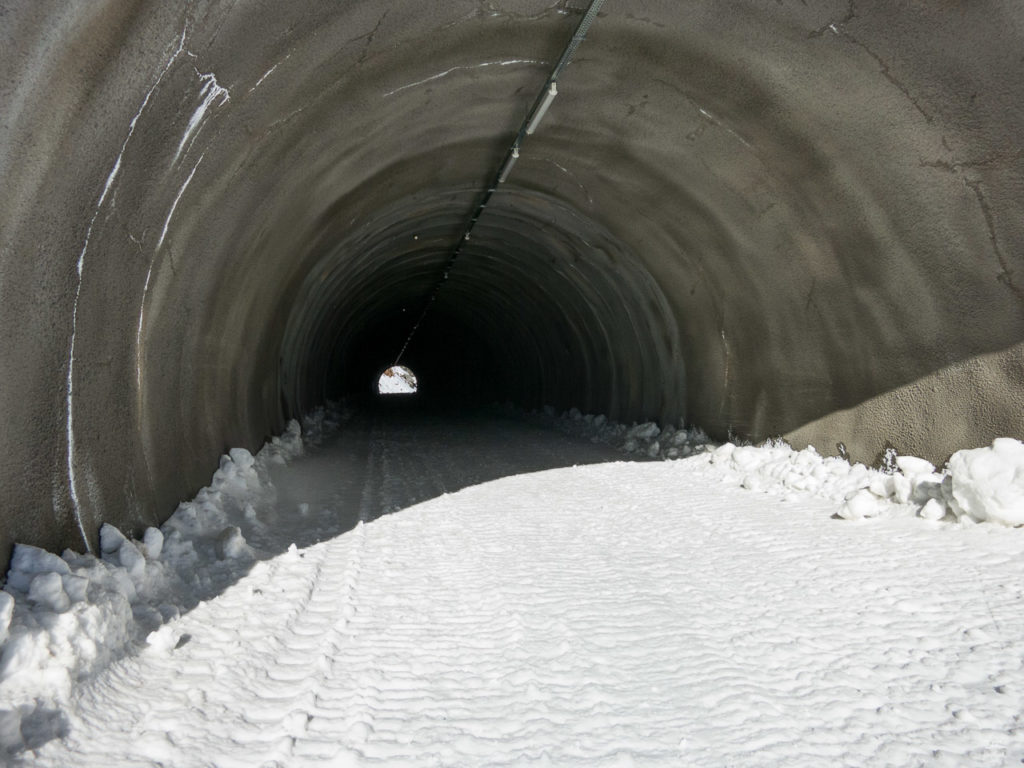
764 217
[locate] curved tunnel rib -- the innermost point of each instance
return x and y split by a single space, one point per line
770 220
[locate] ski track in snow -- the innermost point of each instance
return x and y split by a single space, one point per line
597 615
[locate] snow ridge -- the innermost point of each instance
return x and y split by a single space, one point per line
61 618
977 485
646 439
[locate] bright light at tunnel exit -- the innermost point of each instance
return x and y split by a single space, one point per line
397 380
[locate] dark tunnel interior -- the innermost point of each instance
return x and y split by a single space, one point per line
761 218
529 314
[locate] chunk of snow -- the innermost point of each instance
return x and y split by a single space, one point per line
153 539
47 591
882 486
644 431
27 561
902 488
131 560
231 544
861 505
163 639
242 457
77 587
988 483
10 731
6 612
110 539
933 510
912 465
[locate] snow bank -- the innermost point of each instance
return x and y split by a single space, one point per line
647 439
324 421
63 617
977 485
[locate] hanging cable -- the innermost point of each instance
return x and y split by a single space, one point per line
536 114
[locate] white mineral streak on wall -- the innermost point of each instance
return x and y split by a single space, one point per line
80 267
715 121
266 74
211 92
149 275
174 205
447 72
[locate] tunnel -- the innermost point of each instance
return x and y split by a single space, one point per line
766 218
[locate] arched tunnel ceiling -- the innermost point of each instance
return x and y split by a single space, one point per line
765 218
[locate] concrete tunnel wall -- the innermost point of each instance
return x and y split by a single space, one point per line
765 218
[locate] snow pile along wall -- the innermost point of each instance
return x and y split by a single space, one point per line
647 438
63 617
977 485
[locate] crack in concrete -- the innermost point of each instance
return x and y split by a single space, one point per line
1006 276
368 38
705 118
835 27
560 8
984 162
887 74
832 26
645 20
955 168
575 179
810 296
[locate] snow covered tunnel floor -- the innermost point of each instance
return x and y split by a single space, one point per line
515 609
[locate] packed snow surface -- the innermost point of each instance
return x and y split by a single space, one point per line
412 590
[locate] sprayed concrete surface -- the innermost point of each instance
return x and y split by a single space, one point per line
769 218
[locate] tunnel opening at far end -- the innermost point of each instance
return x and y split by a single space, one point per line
398 380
